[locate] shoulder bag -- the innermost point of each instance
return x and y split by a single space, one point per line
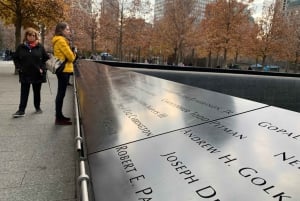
55 65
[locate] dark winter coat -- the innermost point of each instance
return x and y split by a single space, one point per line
29 61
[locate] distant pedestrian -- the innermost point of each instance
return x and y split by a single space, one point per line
29 60
63 51
7 55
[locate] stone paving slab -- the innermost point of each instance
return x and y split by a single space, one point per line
37 158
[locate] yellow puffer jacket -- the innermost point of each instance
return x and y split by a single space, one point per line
62 50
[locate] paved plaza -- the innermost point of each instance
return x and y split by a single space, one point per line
37 158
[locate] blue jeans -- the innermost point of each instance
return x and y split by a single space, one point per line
63 80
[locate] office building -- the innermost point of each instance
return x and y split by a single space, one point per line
159 8
291 8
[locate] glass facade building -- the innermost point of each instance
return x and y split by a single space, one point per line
291 8
160 4
292 3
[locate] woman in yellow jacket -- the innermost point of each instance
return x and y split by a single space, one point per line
63 51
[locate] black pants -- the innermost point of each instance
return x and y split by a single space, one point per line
63 80
25 87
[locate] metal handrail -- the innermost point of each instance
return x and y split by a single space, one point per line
83 178
83 181
78 137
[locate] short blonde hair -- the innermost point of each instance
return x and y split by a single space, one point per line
28 31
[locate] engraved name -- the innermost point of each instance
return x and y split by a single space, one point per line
201 102
145 192
180 107
276 129
181 168
134 118
227 130
291 160
149 107
201 142
255 179
220 126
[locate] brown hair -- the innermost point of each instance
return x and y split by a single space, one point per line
30 30
60 27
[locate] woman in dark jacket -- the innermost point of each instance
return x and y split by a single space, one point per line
29 59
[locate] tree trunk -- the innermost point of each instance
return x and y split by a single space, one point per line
120 47
180 52
263 60
225 58
193 57
18 24
209 63
175 56
236 57
42 27
93 38
296 64
218 61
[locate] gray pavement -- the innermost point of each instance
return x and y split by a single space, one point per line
37 158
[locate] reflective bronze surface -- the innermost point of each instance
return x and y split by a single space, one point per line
120 106
152 139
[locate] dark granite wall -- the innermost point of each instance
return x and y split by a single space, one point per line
277 91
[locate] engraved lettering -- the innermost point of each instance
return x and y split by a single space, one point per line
182 169
281 196
201 102
146 191
181 108
135 120
268 188
125 159
227 130
207 192
228 160
200 117
137 178
202 143
130 169
173 159
251 173
168 154
294 162
149 107
145 199
121 147
276 129
284 156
